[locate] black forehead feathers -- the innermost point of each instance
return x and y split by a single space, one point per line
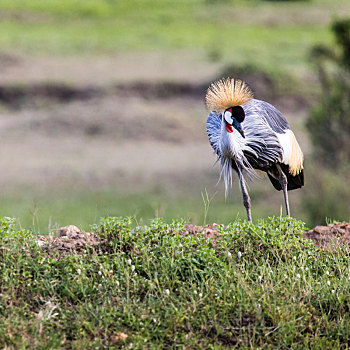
238 113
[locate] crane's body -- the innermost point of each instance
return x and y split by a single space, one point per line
248 135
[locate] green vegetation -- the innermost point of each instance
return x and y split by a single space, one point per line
329 128
43 212
258 286
240 32
329 122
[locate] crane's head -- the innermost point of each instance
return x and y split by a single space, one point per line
228 95
233 117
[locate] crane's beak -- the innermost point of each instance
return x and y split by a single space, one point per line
238 127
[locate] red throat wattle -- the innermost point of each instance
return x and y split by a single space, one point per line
229 127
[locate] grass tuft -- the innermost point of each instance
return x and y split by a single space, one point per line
155 286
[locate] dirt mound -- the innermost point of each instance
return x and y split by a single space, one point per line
72 240
333 234
208 231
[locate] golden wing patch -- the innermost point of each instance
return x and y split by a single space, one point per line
295 161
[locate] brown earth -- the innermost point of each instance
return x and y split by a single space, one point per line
327 236
72 240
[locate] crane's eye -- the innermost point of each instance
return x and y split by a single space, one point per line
228 116
238 113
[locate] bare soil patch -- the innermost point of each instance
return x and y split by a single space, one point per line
327 236
70 240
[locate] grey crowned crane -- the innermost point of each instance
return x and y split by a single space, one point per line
248 135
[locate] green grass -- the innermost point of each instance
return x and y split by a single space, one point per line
261 286
261 33
42 211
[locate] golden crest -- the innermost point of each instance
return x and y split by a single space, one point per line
226 93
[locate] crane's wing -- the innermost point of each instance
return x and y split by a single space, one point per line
262 146
281 147
269 113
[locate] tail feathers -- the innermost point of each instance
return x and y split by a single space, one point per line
294 181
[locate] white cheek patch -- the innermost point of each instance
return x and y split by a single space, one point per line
228 117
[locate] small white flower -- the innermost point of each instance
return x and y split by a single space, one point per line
298 275
200 295
79 271
294 258
135 273
239 254
129 261
100 273
117 283
259 306
260 278
327 273
154 320
333 291
132 267
167 291
195 292
229 255
306 269
110 271
302 268
100 286
328 283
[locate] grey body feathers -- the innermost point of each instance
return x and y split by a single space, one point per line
260 149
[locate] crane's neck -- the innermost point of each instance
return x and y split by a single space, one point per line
231 143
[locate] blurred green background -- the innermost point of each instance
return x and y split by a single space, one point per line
102 106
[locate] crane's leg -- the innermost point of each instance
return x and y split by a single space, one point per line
284 183
246 198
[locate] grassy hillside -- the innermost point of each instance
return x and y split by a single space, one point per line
257 286
275 34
